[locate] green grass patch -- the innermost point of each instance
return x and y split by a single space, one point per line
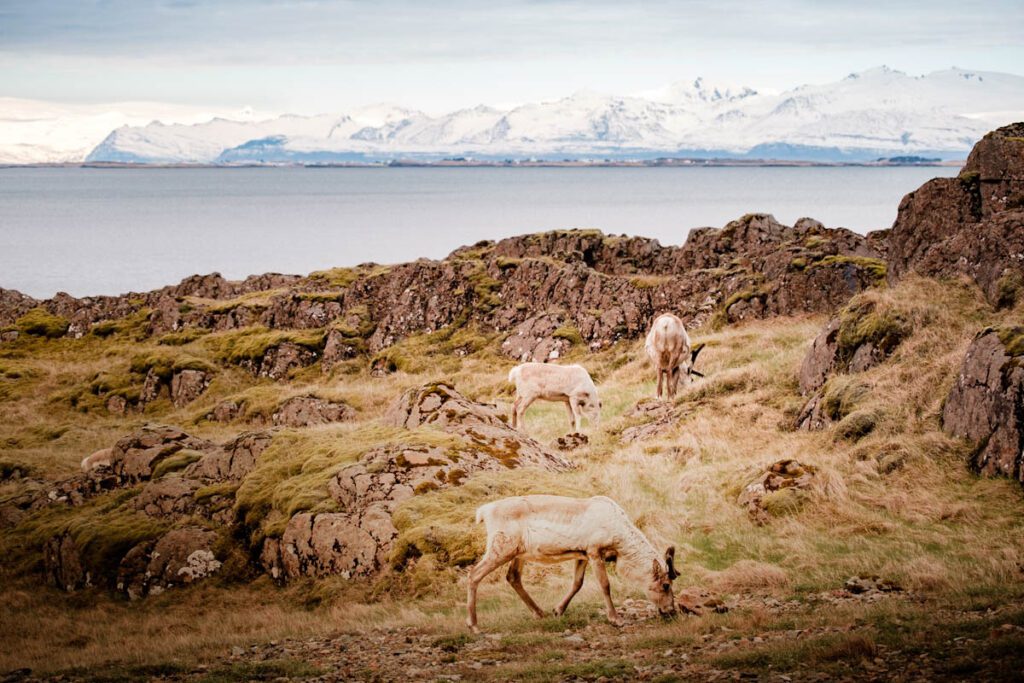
41 323
569 333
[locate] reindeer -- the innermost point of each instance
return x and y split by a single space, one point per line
668 347
570 384
552 529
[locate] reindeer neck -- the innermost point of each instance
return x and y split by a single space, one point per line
636 554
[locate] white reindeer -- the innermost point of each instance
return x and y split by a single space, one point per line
569 384
668 347
100 458
553 529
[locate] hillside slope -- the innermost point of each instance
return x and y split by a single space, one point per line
290 444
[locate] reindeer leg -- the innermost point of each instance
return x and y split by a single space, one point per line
661 374
524 403
515 579
602 578
572 414
577 416
515 412
577 583
500 551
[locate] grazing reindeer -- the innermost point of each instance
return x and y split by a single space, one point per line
570 384
553 529
668 347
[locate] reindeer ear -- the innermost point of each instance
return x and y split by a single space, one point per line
670 556
655 569
696 349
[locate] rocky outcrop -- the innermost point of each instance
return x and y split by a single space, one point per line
358 540
971 225
595 289
986 403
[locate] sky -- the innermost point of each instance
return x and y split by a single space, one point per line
312 56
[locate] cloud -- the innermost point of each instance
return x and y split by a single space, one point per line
357 31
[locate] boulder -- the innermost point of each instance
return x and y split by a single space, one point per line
820 360
303 411
233 460
986 403
653 418
180 557
188 385
279 361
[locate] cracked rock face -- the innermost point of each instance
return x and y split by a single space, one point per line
971 225
532 340
986 403
358 540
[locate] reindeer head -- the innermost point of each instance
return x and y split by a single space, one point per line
687 365
659 589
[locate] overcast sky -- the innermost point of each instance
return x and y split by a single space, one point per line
311 56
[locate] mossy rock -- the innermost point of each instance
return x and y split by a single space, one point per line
875 268
1009 288
1013 339
176 462
570 334
41 323
867 323
842 394
857 425
786 501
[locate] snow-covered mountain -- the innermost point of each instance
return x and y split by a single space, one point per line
878 112
33 132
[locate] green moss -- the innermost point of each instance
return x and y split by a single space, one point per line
226 488
253 300
857 425
1009 288
815 241
649 281
252 343
875 267
186 336
343 278
41 323
842 394
485 289
323 297
507 263
1013 339
175 462
165 364
570 334
865 322
798 263
104 528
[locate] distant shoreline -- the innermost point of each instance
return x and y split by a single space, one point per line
468 163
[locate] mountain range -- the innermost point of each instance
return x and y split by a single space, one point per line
880 112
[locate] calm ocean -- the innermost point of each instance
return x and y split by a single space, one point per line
107 231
